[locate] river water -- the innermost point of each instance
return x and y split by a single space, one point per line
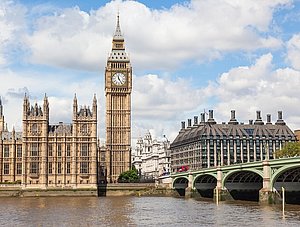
140 211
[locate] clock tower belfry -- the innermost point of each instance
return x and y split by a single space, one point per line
118 85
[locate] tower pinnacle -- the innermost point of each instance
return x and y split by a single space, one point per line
118 34
1 107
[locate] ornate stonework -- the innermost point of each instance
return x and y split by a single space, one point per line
51 156
118 85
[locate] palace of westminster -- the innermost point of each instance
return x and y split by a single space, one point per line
70 155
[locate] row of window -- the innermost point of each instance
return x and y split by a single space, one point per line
34 168
6 151
34 150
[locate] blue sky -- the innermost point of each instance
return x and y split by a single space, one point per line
187 56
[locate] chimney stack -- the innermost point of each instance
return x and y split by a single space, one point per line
202 118
280 121
258 120
195 120
211 117
269 119
189 122
183 125
233 121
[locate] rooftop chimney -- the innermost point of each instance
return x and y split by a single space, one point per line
250 122
211 117
280 121
183 125
258 120
189 122
202 118
233 121
195 120
269 119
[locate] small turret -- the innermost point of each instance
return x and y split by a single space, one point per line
94 107
26 106
46 107
75 106
1 117
1 108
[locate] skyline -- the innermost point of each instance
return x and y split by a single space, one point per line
187 56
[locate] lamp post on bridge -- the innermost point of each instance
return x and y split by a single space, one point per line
266 150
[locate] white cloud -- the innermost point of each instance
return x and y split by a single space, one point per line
160 103
59 88
156 39
258 87
293 51
161 97
12 23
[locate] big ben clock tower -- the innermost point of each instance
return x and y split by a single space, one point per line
118 84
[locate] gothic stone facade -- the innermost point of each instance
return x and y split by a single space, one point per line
118 85
208 144
44 155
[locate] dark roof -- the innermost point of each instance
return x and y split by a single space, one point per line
206 130
60 128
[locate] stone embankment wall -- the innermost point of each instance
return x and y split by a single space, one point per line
120 189
134 189
18 191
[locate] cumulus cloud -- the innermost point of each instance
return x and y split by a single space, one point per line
60 91
12 21
293 51
258 87
160 39
161 97
160 103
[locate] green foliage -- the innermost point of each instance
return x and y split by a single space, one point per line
129 176
290 149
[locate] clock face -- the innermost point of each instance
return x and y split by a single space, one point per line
118 79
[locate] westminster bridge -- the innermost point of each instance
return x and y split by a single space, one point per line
257 181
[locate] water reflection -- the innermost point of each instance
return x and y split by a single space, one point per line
140 211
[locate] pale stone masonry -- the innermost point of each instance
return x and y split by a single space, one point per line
151 157
69 155
118 86
44 155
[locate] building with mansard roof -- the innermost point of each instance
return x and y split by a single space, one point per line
206 143
50 156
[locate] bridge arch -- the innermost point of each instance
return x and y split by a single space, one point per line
180 184
244 184
179 181
289 178
281 171
205 184
228 174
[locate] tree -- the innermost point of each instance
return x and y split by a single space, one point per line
290 149
129 176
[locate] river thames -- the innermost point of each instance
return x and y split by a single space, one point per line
140 211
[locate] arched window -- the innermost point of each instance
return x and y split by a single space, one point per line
34 128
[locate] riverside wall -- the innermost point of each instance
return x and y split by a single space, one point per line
119 189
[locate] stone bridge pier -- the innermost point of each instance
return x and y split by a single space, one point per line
267 195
